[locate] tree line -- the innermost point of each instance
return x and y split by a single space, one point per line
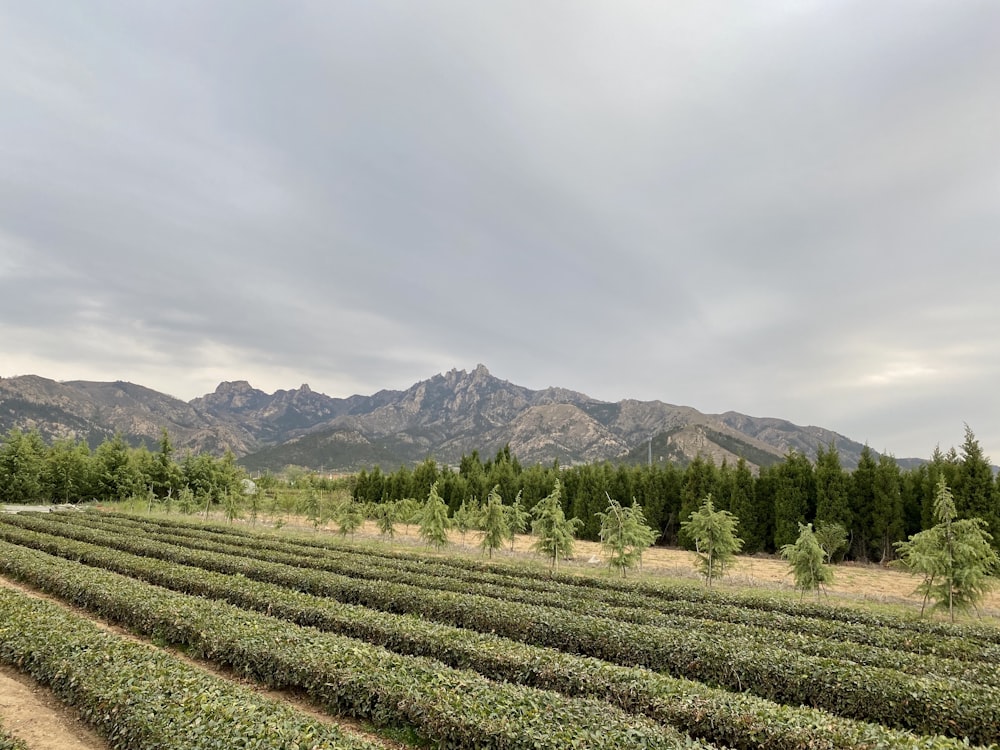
877 504
68 471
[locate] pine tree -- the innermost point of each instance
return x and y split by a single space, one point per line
832 538
805 557
954 557
863 505
434 520
888 523
794 494
975 493
349 517
832 488
494 522
624 534
385 519
553 530
713 533
517 520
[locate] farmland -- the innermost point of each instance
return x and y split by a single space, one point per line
457 652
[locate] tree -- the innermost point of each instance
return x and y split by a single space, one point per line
494 522
888 523
517 520
349 516
954 557
624 534
805 557
713 533
795 494
863 505
385 519
974 490
553 530
434 520
832 489
742 504
464 518
832 538
22 463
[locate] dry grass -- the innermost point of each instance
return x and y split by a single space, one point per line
853 582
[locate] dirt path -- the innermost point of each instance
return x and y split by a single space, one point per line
45 722
32 713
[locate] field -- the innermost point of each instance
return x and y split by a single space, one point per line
170 633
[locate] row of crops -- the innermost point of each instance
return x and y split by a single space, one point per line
468 654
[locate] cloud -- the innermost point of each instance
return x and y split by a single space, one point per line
785 208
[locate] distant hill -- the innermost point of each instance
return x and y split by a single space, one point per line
445 416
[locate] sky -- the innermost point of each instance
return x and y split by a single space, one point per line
785 208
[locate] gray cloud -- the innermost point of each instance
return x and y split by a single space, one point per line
785 208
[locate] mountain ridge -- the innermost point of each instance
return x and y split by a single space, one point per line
445 416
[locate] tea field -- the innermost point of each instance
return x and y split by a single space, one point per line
458 652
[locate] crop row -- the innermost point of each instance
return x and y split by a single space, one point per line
447 707
856 625
888 697
812 645
141 697
736 720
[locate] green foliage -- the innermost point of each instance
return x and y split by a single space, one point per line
178 707
928 706
713 533
517 520
806 558
465 517
494 522
832 538
434 520
348 516
954 557
624 534
385 519
553 530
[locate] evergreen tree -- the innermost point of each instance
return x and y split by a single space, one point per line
700 479
434 520
385 518
553 530
349 517
68 473
794 494
805 556
954 557
975 492
832 538
517 520
742 504
888 523
464 518
494 523
624 534
22 467
863 505
713 533
832 488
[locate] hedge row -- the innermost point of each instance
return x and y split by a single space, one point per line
882 649
672 598
888 697
450 708
738 721
140 697
807 643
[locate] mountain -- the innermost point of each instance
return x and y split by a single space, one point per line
445 416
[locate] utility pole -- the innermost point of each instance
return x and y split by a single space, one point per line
650 450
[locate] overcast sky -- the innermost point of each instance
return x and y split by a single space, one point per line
783 208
